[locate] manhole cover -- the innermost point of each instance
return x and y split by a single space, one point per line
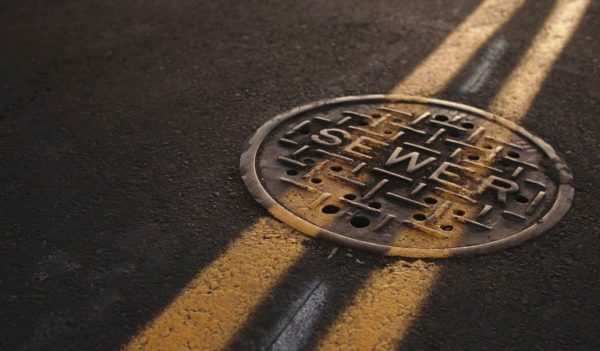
406 176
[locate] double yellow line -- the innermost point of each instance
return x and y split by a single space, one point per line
219 300
391 298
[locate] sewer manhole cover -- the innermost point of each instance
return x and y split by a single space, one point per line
406 176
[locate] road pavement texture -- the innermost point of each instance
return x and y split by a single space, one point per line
125 223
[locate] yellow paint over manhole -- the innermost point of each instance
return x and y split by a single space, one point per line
406 176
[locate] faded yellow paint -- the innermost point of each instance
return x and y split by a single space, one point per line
383 308
219 299
439 68
526 80
201 319
213 306
391 298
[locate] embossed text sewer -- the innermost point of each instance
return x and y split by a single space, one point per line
406 176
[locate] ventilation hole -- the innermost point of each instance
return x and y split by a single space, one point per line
501 184
522 199
308 160
349 196
514 154
292 172
316 180
473 157
441 118
430 200
459 212
419 216
387 131
330 209
336 168
362 122
488 146
467 125
375 204
447 228
359 222
304 129
376 115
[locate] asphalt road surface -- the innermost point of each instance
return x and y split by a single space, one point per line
125 223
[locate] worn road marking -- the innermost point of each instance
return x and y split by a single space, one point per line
441 66
436 71
383 308
217 301
381 312
297 329
526 80
481 73
431 76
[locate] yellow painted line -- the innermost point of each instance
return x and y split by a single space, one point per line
224 310
391 298
214 305
219 299
441 66
526 80
383 308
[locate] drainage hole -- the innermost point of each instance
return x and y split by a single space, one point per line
514 154
359 222
387 131
441 118
473 157
304 129
447 228
336 168
292 172
316 180
376 115
459 212
374 204
349 196
522 199
330 209
430 200
308 160
488 146
363 123
467 125
419 216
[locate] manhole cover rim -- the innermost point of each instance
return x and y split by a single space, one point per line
250 177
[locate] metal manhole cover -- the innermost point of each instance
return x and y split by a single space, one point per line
406 176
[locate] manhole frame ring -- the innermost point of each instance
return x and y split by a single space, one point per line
559 209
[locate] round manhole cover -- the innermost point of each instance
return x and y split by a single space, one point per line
406 176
